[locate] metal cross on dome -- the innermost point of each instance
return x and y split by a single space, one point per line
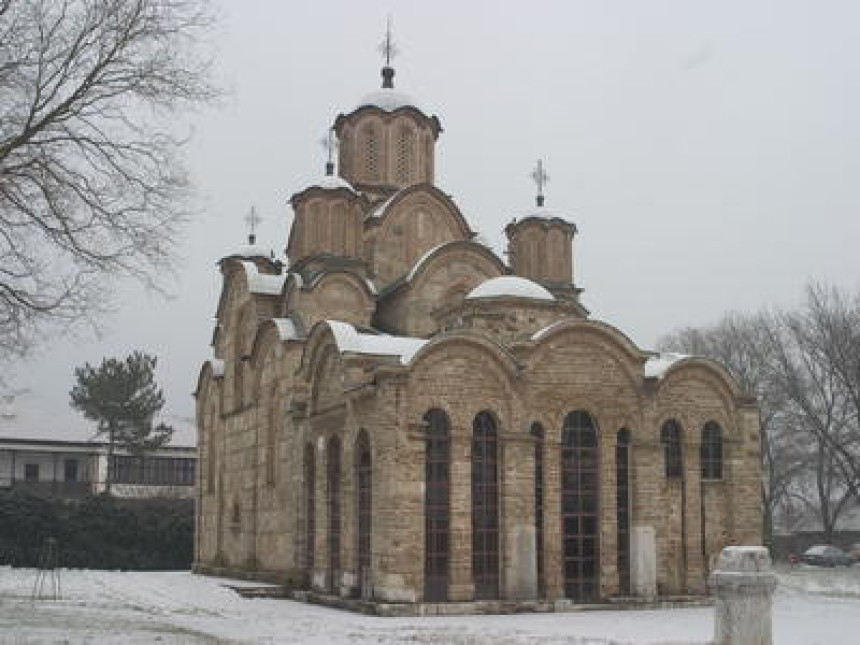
329 142
540 178
387 47
252 219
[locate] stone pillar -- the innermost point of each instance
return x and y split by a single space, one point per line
643 562
744 585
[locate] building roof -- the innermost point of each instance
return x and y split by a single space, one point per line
658 365
387 99
510 285
349 339
263 283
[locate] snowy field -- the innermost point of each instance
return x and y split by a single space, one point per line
811 607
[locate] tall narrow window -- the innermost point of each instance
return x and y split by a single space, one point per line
538 435
310 512
437 515
485 507
405 155
370 144
579 509
622 482
334 527
363 477
711 454
670 437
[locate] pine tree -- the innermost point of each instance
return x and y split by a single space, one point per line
123 398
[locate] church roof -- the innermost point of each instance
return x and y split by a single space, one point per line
387 99
510 285
263 283
349 339
657 366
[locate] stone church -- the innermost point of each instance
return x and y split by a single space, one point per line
397 414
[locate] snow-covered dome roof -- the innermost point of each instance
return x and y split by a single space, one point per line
510 285
331 182
250 251
387 99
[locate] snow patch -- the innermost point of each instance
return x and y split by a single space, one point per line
657 366
263 283
349 339
423 259
217 367
387 99
286 328
510 285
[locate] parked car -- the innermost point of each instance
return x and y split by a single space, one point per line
826 555
854 551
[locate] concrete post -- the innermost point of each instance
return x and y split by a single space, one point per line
744 585
643 562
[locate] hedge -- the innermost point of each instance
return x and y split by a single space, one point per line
98 532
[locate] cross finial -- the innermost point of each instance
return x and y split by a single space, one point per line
330 144
540 178
388 50
252 219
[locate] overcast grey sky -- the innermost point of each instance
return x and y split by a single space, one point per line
707 151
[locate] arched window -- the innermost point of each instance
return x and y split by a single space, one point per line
363 478
670 437
310 511
334 528
405 155
437 514
538 435
579 506
711 454
485 507
622 483
370 146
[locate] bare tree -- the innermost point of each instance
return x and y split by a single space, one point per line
804 366
92 186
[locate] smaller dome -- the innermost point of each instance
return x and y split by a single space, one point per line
510 285
333 182
387 99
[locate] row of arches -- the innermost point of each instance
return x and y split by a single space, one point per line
579 498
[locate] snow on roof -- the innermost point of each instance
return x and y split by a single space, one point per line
422 260
510 285
263 283
379 210
250 251
349 339
387 99
657 366
217 367
542 213
330 182
286 328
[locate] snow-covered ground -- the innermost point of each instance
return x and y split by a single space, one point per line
811 607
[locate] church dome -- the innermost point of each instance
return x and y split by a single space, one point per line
387 99
510 285
332 182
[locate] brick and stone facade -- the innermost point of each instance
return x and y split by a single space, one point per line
399 415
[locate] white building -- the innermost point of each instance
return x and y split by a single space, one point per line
61 455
